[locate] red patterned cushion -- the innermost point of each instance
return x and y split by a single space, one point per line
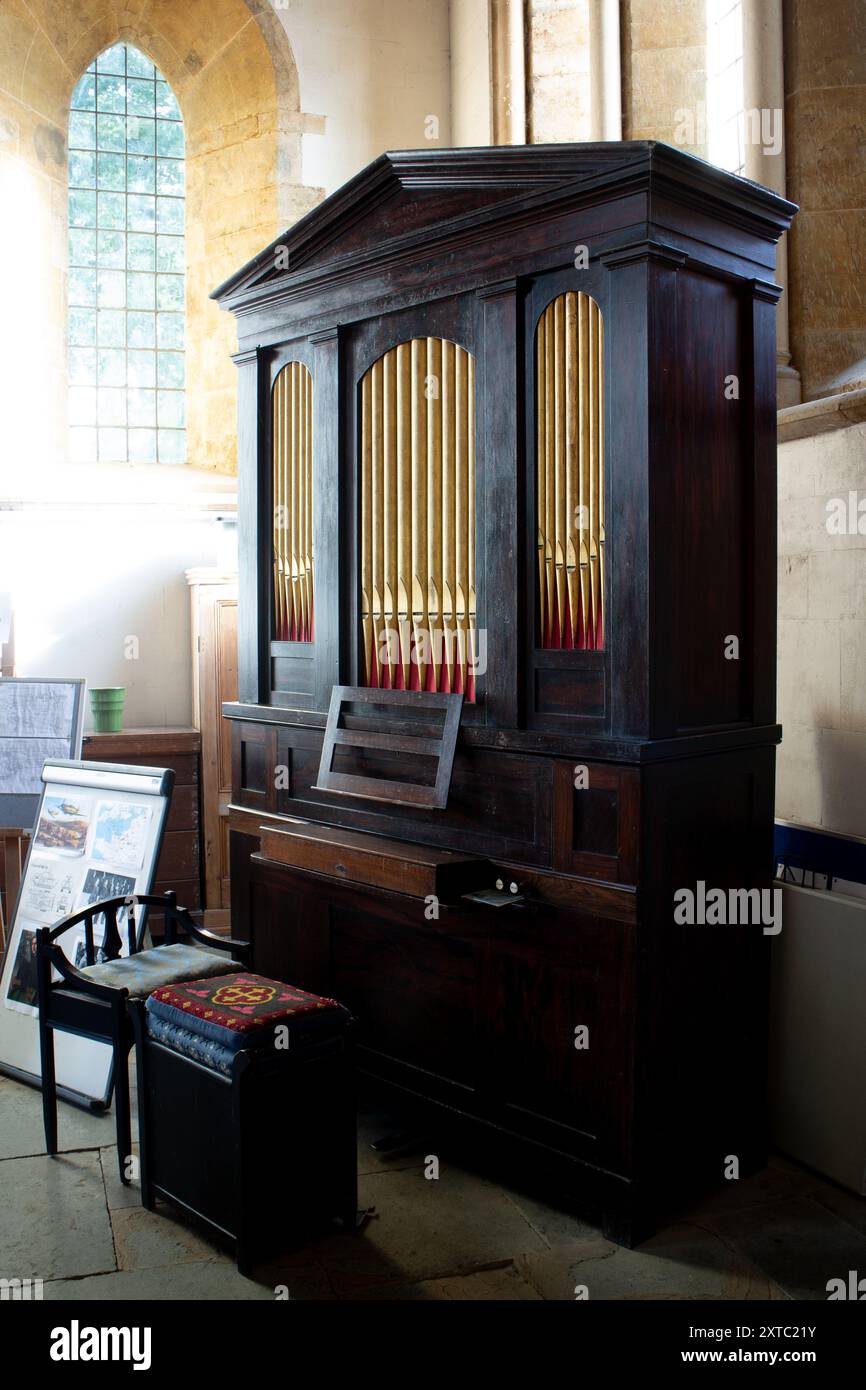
241 1004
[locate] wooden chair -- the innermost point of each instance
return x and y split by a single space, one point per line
93 1001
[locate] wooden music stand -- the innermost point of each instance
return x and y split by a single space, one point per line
392 737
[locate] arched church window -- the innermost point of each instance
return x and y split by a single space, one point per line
126 264
726 126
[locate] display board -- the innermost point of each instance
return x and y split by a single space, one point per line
39 719
97 835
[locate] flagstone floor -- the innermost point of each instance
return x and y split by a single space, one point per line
68 1221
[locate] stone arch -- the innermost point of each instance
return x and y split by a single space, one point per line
230 65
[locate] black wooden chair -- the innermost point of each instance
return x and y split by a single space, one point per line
92 1001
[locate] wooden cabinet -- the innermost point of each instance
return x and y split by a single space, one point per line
214 602
179 865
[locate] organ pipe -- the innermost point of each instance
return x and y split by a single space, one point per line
292 473
569 364
418 594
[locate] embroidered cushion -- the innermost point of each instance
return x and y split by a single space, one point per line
163 965
243 1010
205 1050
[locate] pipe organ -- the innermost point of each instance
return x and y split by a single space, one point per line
498 521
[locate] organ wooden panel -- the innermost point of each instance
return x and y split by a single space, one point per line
418 599
570 472
292 462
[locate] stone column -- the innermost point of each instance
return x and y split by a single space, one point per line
825 113
508 72
764 104
605 70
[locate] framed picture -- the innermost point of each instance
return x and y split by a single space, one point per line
39 719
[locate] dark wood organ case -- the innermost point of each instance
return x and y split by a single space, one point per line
507 436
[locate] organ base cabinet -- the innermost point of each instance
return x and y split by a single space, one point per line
507 448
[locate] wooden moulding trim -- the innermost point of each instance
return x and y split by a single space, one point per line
618 902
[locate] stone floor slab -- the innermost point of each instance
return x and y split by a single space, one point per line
157 1240
682 1262
798 1243
22 1132
426 1229
487 1285
193 1281
53 1218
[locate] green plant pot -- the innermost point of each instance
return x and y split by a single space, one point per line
106 704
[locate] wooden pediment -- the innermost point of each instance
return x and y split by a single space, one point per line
411 193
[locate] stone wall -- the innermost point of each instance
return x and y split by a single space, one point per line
821 778
664 77
558 71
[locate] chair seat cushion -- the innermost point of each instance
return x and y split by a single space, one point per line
243 1010
162 965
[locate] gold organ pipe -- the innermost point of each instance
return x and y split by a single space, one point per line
403 587
277 503
367 524
448 442
378 550
461 507
472 615
593 465
550 493
434 503
582 366
292 487
569 364
389 494
559 405
572 467
308 499
418 514
541 414
601 476
419 471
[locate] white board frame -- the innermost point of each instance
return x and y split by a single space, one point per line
83 1066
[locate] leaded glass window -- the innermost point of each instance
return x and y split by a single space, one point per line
126 264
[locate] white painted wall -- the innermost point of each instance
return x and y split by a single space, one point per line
471 122
87 574
375 69
821 776
94 556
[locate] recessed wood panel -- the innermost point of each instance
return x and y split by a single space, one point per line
710 536
597 820
413 991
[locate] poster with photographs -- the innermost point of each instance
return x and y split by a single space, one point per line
100 884
50 890
98 834
21 993
121 834
63 824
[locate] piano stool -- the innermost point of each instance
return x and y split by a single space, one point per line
247 1117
